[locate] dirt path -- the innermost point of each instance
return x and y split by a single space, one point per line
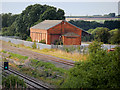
5 46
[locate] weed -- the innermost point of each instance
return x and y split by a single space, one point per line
43 41
9 41
3 51
34 46
13 55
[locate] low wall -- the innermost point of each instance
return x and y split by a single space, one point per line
42 46
26 43
105 46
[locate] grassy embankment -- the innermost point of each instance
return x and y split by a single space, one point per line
54 52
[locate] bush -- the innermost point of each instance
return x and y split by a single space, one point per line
58 42
115 38
29 39
43 41
12 82
34 46
69 49
98 71
9 41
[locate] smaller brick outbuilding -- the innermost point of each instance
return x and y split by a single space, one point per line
56 30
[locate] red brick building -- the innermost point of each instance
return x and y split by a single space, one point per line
56 30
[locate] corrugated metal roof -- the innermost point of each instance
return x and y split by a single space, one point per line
71 34
46 24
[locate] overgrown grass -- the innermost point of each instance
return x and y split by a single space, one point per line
3 51
46 72
63 54
15 56
56 53
46 65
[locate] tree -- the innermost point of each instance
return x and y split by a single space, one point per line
49 14
60 14
112 14
32 15
112 24
98 71
8 19
19 25
86 25
115 38
101 34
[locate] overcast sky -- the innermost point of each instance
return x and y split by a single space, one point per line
73 7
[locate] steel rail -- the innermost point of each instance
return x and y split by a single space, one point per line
31 81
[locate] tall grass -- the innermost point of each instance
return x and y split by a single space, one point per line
57 53
63 54
13 55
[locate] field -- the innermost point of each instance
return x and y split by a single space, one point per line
100 20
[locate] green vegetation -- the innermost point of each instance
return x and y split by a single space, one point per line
43 41
19 25
45 71
102 32
3 51
55 52
69 49
12 82
34 46
115 37
28 39
105 35
97 71
46 65
15 56
86 25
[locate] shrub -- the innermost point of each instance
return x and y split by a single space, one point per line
3 51
9 41
69 49
43 41
28 39
98 71
34 46
12 81
58 42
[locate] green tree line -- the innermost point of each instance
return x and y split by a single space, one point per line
19 25
107 32
86 25
106 35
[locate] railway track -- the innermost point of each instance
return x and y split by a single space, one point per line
36 55
55 59
31 83
40 56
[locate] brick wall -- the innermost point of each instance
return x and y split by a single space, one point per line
61 29
71 40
